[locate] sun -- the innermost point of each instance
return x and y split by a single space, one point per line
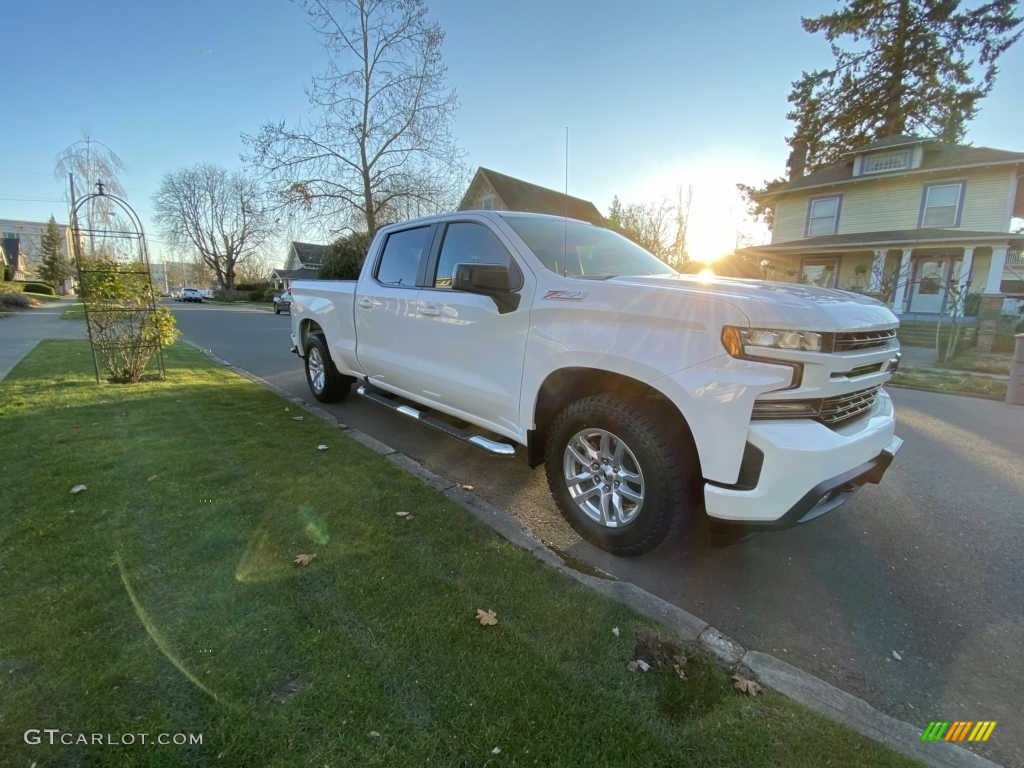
718 222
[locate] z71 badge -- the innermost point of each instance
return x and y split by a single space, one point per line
566 295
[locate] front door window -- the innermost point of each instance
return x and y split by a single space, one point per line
932 279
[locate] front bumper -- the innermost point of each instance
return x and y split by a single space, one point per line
796 470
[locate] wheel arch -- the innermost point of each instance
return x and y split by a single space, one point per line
566 385
306 329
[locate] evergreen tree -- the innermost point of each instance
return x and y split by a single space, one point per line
55 269
913 67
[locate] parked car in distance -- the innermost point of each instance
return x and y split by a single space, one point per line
283 302
191 294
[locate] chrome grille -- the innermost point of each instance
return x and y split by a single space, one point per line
840 408
846 342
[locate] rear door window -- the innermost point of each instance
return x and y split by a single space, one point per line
403 255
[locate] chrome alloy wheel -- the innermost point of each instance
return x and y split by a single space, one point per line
317 370
603 477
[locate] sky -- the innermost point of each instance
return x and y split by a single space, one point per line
655 96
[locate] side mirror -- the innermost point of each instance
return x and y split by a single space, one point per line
489 279
494 280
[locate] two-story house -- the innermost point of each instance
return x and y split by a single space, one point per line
917 222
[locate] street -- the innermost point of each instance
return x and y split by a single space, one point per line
911 596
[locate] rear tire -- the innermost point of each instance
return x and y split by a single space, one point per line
326 384
621 476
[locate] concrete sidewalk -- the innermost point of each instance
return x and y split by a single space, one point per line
21 331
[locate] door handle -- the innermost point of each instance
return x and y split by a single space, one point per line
429 308
365 302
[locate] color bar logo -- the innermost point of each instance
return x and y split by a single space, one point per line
960 730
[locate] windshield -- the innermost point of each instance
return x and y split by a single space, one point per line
577 249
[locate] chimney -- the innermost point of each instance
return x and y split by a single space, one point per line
797 162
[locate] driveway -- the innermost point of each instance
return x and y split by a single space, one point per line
911 596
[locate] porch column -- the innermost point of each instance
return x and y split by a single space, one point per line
991 306
995 269
966 264
902 278
877 268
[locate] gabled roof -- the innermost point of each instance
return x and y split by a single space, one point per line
310 254
937 157
521 195
890 142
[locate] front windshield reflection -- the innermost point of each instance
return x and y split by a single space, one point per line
576 249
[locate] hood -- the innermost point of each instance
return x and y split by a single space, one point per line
780 305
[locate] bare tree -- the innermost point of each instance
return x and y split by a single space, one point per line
379 143
659 227
217 213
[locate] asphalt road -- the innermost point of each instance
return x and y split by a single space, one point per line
911 596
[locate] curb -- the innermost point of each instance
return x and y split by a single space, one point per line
794 683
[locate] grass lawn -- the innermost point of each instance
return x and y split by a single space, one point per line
951 382
981 362
75 312
163 599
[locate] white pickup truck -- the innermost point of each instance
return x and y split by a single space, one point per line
649 396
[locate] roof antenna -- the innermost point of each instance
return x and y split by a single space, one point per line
565 207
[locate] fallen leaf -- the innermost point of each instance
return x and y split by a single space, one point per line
304 560
638 664
486 618
745 685
298 418
680 672
374 734
615 631
76 489
465 486
401 514
897 656
496 751
321 447
151 478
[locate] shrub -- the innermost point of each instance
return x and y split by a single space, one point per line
8 272
971 304
15 301
235 294
36 286
345 257
257 287
124 329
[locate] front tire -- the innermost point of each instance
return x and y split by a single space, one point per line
326 384
621 477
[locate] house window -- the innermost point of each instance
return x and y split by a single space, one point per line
881 162
941 205
487 203
822 272
822 216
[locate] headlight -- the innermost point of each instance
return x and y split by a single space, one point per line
744 342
